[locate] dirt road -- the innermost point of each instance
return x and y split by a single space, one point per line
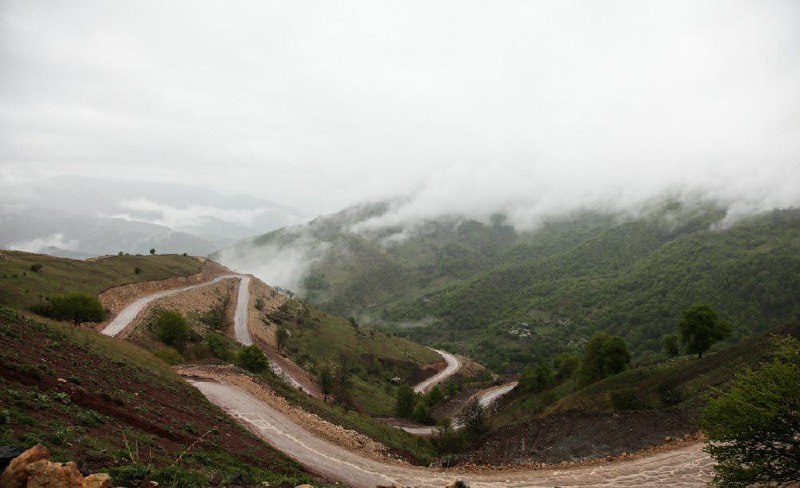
129 313
687 466
240 315
453 365
485 397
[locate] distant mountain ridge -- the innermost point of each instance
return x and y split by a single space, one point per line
81 217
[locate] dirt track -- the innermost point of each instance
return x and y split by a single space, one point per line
687 466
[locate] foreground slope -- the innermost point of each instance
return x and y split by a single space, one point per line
113 407
20 287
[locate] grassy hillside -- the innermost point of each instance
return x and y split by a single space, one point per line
631 410
506 297
56 389
20 287
371 358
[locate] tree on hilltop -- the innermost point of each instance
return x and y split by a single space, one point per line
700 327
605 355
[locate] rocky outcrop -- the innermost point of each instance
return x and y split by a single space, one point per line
33 469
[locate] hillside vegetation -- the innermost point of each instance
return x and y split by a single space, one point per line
630 410
325 344
113 407
21 287
506 297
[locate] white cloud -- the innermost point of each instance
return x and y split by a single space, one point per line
191 216
39 244
469 106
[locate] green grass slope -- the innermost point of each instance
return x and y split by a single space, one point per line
370 357
113 407
20 287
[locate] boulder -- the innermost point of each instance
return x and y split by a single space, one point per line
33 469
15 475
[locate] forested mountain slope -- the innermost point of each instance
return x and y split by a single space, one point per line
504 296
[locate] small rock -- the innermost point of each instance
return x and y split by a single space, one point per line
458 484
99 480
304 486
667 439
61 380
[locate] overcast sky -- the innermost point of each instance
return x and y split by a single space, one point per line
467 106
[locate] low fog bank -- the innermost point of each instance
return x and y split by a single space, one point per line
528 195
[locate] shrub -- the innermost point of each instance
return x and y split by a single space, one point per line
473 418
565 365
252 359
604 356
421 412
137 270
434 396
281 336
753 427
75 307
171 329
218 346
670 344
537 379
216 316
36 267
404 407
169 356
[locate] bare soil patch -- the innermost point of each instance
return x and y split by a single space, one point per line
572 436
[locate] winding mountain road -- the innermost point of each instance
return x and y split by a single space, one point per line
688 466
453 365
485 398
129 313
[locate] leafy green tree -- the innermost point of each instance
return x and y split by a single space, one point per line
218 346
670 344
406 398
445 438
434 396
700 327
565 365
171 329
473 417
754 427
152 251
252 359
75 307
421 412
604 356
537 379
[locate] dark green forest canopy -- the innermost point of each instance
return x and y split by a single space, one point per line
507 297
